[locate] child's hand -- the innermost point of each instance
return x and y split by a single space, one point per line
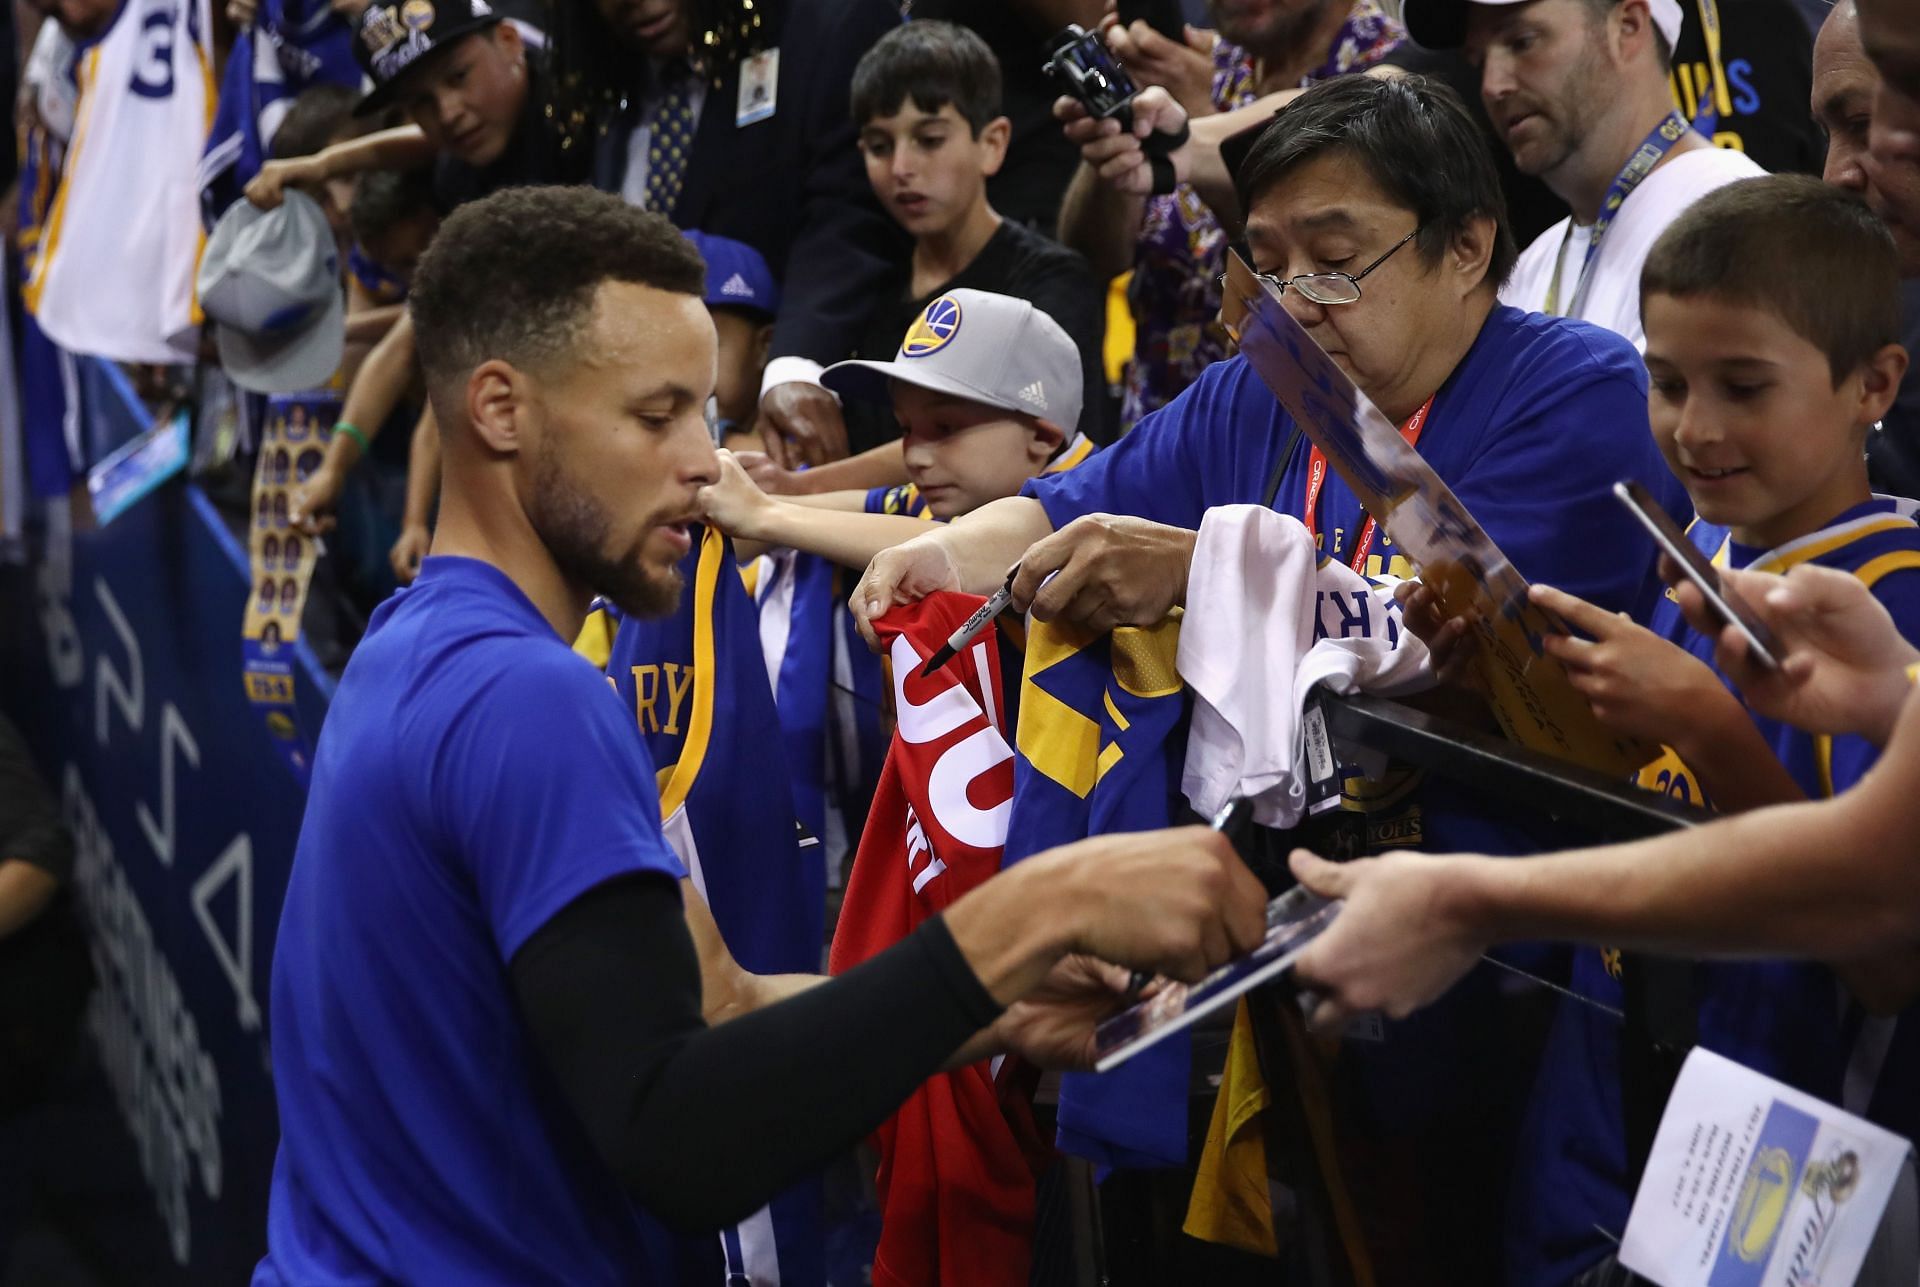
315 500
733 502
407 552
1450 641
1638 684
268 188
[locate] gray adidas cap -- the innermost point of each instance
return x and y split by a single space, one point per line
982 347
270 280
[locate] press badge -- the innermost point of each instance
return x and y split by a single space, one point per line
759 87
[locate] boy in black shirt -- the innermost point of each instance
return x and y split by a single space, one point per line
926 101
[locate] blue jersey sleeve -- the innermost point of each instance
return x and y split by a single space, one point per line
1159 470
1543 486
545 791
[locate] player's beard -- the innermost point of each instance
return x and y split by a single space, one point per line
575 528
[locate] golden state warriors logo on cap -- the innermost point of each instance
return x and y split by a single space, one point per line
933 329
417 14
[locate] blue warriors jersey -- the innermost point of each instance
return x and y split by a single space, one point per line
698 689
292 45
1100 743
1786 1019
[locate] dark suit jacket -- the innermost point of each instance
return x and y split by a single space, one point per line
793 186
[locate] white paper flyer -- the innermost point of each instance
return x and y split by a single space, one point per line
1754 1184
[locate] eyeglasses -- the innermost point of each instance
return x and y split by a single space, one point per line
1329 288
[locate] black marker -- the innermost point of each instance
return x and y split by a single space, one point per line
971 628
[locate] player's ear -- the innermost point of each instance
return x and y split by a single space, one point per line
1043 441
496 405
762 346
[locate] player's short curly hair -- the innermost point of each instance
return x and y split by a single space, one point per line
1413 137
512 277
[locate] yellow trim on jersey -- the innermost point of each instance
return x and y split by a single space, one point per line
595 641
1823 762
700 721
210 95
1812 546
1076 452
1898 561
87 72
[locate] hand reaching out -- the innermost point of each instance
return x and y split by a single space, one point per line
1638 684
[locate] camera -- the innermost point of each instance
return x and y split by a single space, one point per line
1085 69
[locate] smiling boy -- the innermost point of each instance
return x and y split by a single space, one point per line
1771 310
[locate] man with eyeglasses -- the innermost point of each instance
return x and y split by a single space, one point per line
1374 206
1379 193
1577 90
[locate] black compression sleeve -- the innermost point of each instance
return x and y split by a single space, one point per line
704 1125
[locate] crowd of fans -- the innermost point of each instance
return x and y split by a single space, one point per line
970 334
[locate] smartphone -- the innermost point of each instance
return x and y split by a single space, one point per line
1726 606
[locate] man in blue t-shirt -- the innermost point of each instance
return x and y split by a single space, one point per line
1380 194
491 992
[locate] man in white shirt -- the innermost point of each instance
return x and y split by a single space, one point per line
1578 89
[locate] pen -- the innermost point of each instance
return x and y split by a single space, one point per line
971 628
1231 817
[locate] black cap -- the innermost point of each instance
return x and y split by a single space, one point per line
1436 24
393 35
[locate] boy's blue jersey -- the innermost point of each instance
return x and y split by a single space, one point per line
1787 1019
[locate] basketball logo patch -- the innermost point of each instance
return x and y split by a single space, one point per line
933 329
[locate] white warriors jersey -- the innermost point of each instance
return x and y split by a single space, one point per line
114 277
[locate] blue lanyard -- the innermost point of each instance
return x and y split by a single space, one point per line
1655 146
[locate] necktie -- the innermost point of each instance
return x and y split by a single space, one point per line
669 120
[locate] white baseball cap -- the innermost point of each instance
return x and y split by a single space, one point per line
1442 24
270 280
983 347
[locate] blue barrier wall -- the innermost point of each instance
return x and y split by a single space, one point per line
120 660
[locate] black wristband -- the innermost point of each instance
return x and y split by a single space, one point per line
1159 149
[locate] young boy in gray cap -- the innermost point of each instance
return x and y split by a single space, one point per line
987 390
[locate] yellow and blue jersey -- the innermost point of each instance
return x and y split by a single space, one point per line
1787 1019
1100 741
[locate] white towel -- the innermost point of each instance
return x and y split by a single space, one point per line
1266 622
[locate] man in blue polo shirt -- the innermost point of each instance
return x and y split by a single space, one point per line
491 1004
1376 204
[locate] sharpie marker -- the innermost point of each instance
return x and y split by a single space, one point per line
972 628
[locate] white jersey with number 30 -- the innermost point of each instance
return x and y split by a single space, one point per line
116 265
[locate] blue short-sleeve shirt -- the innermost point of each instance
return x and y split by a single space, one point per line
474 777
1531 431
